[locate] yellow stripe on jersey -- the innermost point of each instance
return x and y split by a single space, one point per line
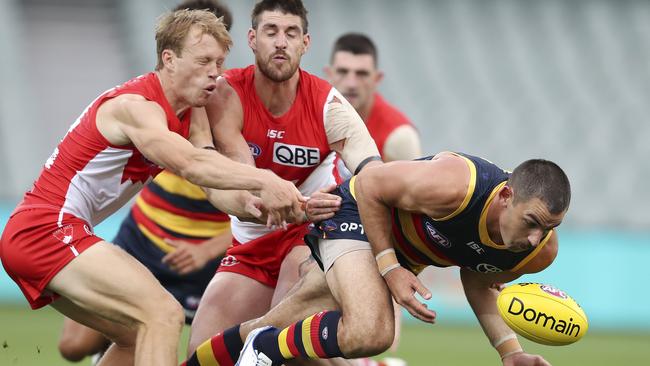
533 253
205 356
470 190
158 241
482 223
284 347
352 180
306 338
412 264
174 184
410 233
181 224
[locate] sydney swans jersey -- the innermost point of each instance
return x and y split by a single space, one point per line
294 146
461 238
383 120
89 177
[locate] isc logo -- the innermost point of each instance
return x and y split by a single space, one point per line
275 134
295 155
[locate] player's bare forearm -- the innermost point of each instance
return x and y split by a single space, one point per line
226 119
211 169
482 297
374 213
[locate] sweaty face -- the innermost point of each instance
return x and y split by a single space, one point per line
355 76
278 44
525 224
197 68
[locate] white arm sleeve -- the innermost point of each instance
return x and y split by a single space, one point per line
343 124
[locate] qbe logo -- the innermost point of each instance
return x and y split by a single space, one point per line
295 155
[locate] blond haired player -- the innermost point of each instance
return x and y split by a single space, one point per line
117 145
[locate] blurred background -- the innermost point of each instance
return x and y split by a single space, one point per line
508 80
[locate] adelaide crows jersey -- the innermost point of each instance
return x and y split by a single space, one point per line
460 238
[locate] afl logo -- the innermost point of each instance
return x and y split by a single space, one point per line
487 268
255 149
553 291
436 236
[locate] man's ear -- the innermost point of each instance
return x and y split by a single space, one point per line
252 39
379 77
306 42
505 195
168 58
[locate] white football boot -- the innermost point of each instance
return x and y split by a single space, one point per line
249 356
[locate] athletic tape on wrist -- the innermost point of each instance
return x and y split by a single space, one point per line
385 271
507 346
499 342
387 261
511 353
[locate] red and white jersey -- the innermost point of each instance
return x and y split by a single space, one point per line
89 177
294 146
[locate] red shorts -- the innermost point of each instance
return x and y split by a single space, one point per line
34 247
260 259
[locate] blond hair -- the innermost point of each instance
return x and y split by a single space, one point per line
173 28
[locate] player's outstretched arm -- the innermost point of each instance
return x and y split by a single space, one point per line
482 291
143 123
417 186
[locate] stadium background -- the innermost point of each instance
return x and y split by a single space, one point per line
505 79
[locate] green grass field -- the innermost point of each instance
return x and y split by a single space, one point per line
29 338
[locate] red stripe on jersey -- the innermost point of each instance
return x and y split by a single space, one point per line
154 200
403 245
417 221
144 220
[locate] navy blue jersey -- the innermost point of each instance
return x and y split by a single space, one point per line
458 239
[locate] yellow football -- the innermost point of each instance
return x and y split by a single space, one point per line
542 313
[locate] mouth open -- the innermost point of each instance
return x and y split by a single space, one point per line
280 58
210 89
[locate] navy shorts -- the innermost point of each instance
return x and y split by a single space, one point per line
346 223
187 289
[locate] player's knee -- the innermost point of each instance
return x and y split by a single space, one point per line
172 313
164 313
367 336
367 344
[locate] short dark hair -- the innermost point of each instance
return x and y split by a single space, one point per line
543 179
293 7
212 6
355 43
